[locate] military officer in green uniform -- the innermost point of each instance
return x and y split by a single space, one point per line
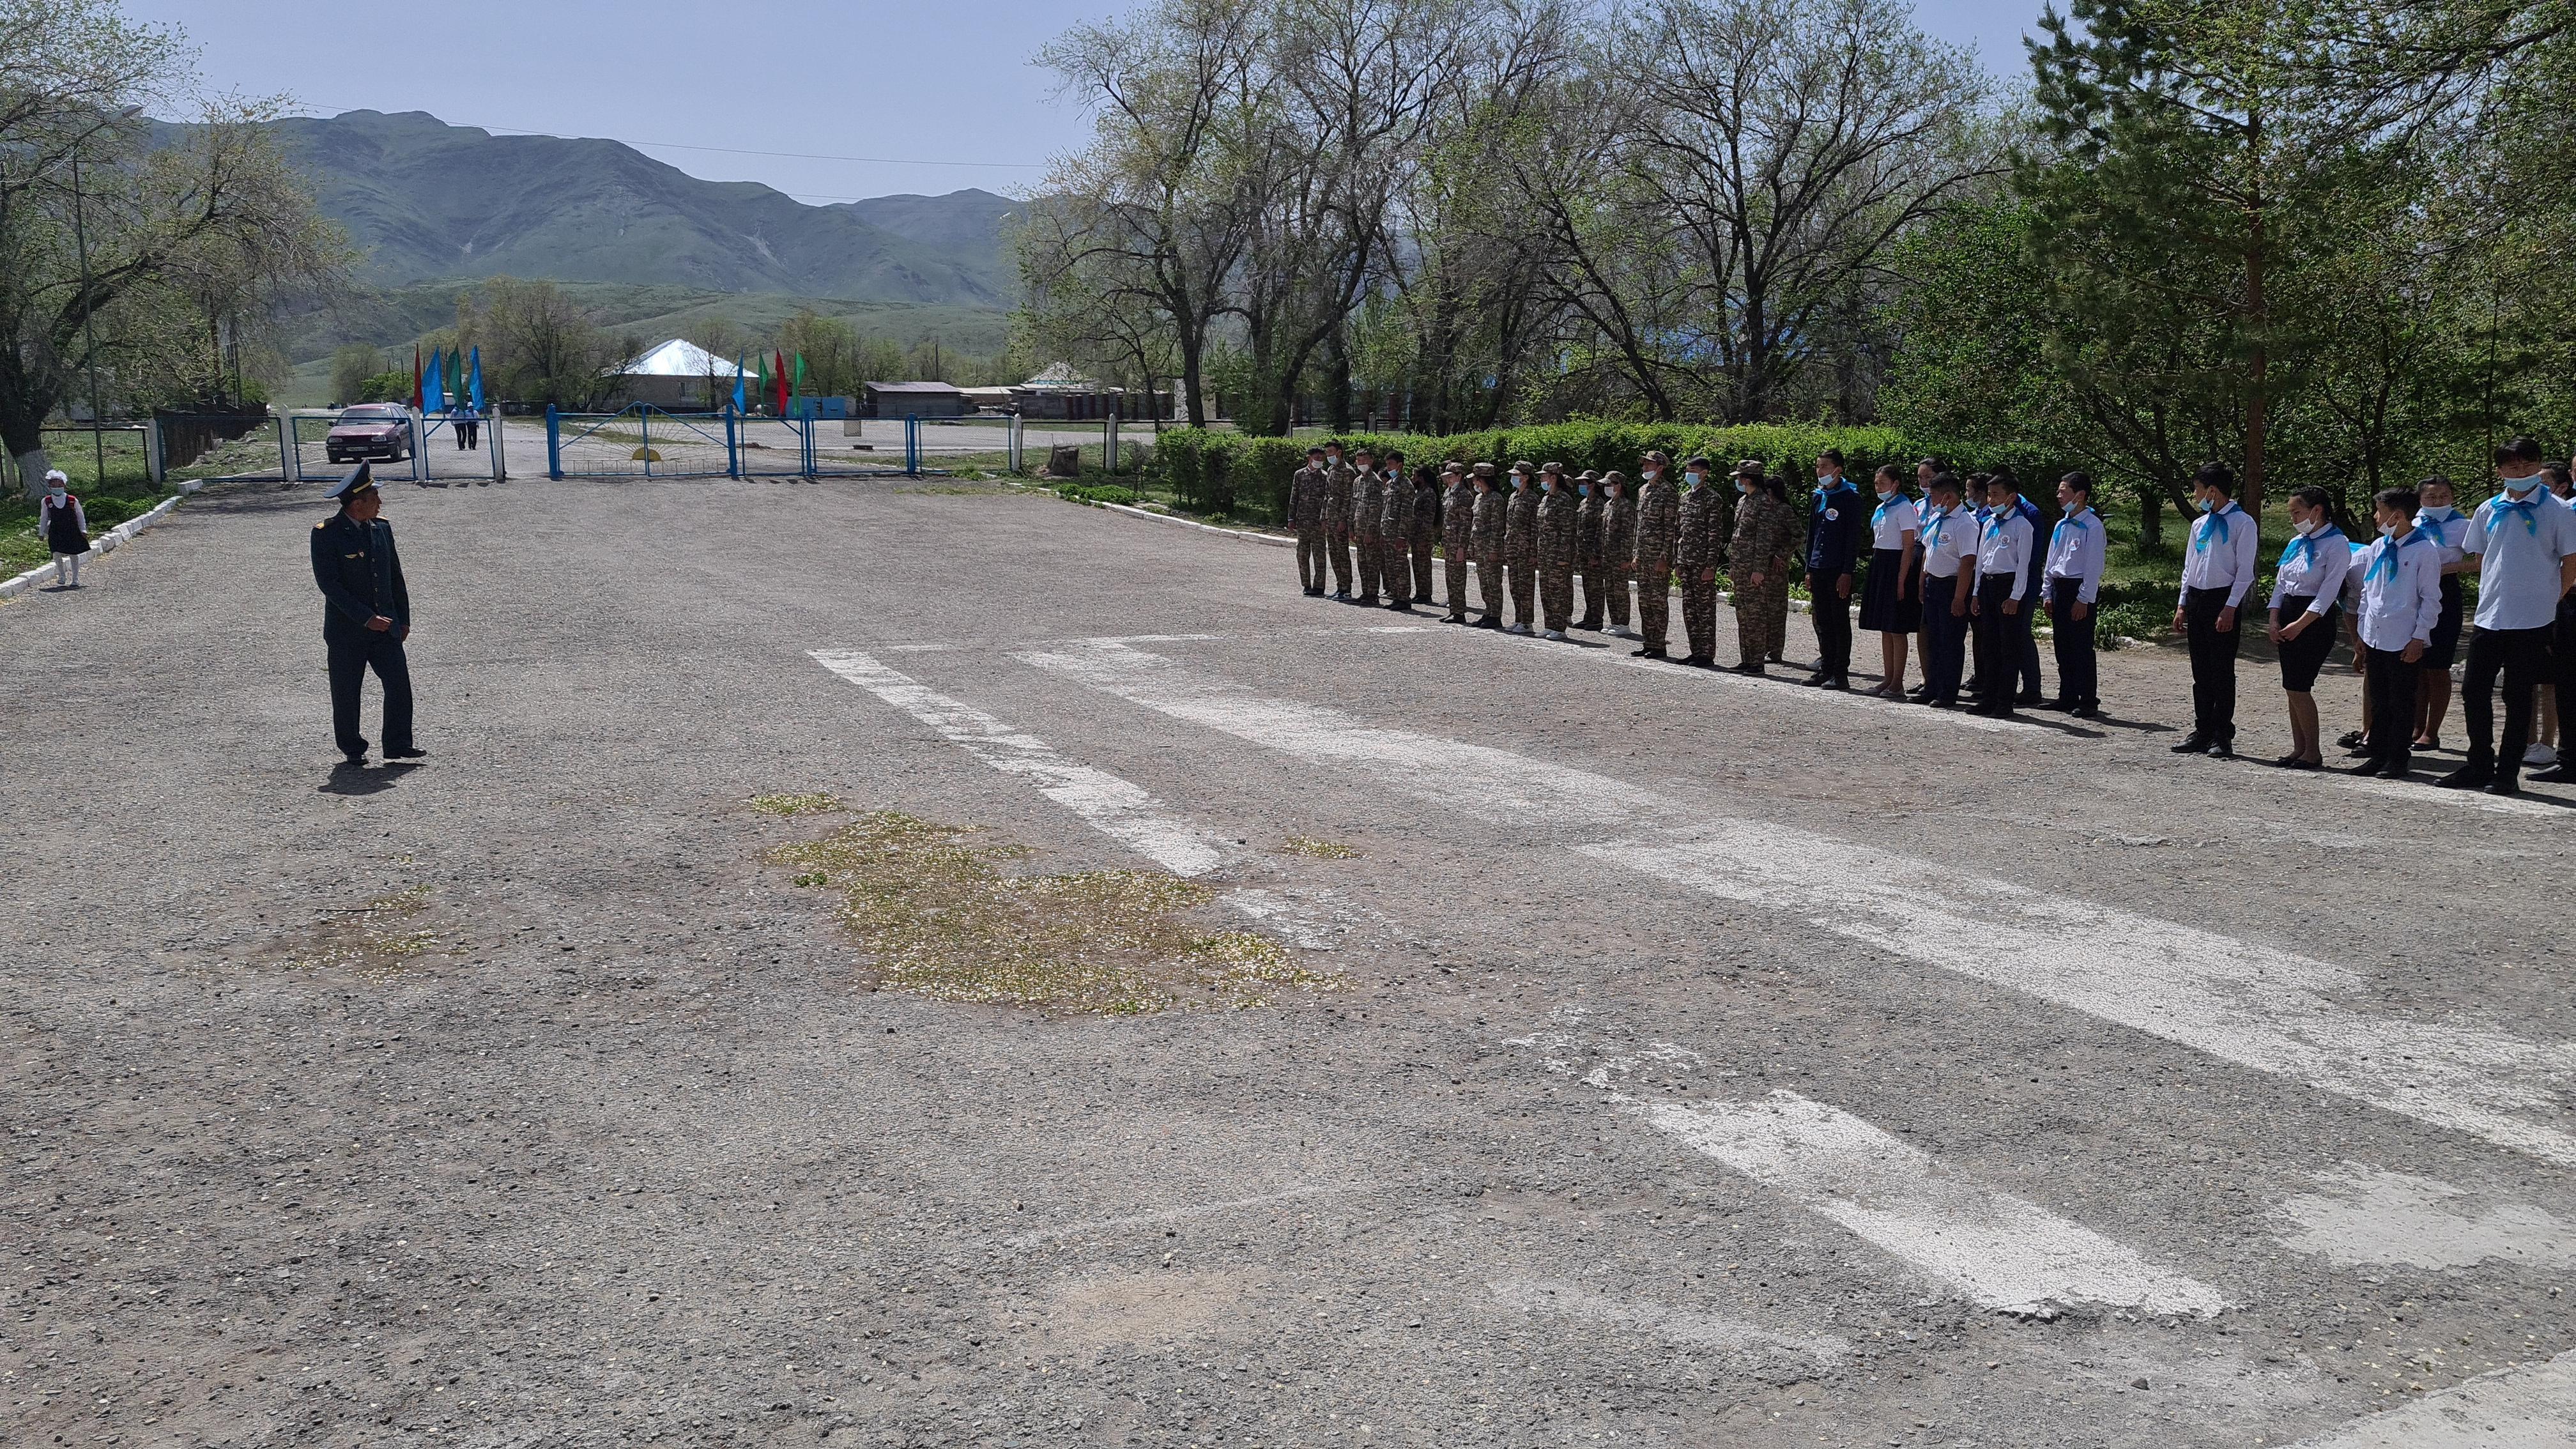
366 615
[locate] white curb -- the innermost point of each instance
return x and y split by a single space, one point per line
104 543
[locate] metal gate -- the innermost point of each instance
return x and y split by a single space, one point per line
643 441
428 451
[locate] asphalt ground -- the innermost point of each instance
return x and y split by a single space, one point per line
1682 1059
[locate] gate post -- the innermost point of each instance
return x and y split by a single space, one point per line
152 468
733 459
500 454
644 417
912 444
290 458
554 444
1109 442
419 448
1015 444
805 437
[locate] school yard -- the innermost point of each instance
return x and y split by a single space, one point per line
1443 1039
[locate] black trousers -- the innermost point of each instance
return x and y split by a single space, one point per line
352 655
2078 681
1998 660
2391 682
2562 662
1831 614
2523 656
1944 642
2213 663
2034 597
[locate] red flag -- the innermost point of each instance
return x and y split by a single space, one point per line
415 378
778 379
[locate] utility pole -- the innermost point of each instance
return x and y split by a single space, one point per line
89 332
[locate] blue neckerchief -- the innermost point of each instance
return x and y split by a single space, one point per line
2218 516
2425 522
1930 536
1995 524
1878 515
2529 508
2388 556
2305 546
2077 518
1841 485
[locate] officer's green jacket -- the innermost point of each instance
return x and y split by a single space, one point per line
360 575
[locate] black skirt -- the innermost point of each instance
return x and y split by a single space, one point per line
2302 657
66 535
1882 606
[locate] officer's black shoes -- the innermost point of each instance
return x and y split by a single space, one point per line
2502 785
2086 711
353 758
1815 680
2194 743
2222 749
2054 706
1751 668
1837 683
2558 774
1341 596
2467 777
2394 769
1649 652
404 752
1489 623
1422 598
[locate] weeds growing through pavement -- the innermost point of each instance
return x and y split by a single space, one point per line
819 803
1318 849
938 917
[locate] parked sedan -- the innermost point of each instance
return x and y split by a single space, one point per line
371 432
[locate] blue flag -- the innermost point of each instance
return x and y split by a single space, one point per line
433 389
737 384
474 379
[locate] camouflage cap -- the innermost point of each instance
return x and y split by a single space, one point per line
1614 476
1484 470
1659 456
1749 468
1314 452
1697 460
1459 468
1524 465
1551 467
1592 473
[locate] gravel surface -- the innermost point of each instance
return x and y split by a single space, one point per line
519 1099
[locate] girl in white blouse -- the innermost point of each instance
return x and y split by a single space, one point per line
2307 594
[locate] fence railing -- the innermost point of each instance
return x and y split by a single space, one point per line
644 441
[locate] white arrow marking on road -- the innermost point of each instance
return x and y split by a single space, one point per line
2529 1406
1997 1250
1116 807
2269 1010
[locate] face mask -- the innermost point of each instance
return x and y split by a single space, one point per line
1743 487
2520 486
2388 530
2206 506
1583 488
2073 508
2306 528
1886 493
1653 473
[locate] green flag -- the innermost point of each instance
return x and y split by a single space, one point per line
799 389
763 363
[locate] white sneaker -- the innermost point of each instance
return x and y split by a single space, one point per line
1556 634
2540 755
1620 631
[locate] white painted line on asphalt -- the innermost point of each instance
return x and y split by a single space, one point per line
1683 1326
1115 807
2368 1215
1997 1250
2528 1406
2268 1010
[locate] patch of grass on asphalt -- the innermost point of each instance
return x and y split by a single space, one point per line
934 909
818 803
378 939
1307 845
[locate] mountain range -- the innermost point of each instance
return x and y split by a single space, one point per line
427 201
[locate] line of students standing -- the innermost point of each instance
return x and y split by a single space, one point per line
1964 573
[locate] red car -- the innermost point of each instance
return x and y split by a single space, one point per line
370 432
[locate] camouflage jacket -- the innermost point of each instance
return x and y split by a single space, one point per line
1588 518
1458 519
1764 532
1520 533
1703 542
1395 522
1658 526
1368 501
1337 497
1487 539
1306 499
1426 516
1559 519
1619 529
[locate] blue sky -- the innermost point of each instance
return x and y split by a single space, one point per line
925 88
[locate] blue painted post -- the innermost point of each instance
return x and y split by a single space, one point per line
805 433
644 415
912 444
554 444
733 458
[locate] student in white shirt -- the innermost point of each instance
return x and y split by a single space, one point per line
2307 598
2217 570
2356 742
2401 603
2522 543
2438 521
1925 470
2003 577
2558 693
2077 548
1949 578
1890 600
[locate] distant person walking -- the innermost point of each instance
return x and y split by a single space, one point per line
65 526
469 429
366 616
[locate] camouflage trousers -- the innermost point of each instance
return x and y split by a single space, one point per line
1619 594
1310 558
1421 572
1699 615
1338 548
1596 581
1457 585
1489 585
1372 561
1523 575
1654 601
1556 590
1762 618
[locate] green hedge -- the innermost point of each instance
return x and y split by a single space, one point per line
1246 478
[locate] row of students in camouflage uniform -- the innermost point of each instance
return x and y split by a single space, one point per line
1529 540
